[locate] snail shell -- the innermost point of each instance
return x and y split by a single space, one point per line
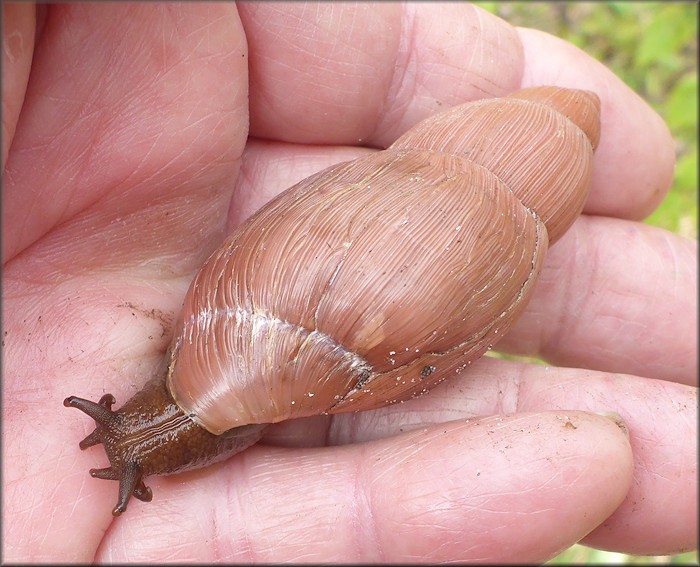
372 281
365 284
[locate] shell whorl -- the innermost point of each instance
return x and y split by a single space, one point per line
375 279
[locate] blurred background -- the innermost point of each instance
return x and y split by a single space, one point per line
653 47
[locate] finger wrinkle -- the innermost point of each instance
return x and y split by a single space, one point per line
398 97
208 24
509 399
477 55
678 263
227 529
362 518
573 313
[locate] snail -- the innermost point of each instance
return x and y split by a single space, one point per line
365 284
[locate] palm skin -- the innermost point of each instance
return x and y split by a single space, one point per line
147 132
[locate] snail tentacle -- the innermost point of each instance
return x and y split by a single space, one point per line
134 435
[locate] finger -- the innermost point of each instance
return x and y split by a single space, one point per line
18 21
382 79
390 65
491 489
659 514
617 296
133 123
268 168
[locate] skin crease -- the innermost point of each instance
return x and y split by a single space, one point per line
129 151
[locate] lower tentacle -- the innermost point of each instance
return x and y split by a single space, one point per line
130 482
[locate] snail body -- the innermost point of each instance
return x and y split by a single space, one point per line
365 284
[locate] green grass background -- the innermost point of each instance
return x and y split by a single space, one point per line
651 46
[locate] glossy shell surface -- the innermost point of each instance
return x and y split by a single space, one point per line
375 279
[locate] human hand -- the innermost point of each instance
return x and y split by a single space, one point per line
130 163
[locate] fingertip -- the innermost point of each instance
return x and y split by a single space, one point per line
501 487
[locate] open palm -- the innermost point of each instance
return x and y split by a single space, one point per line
130 157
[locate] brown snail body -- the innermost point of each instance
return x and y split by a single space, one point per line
365 284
